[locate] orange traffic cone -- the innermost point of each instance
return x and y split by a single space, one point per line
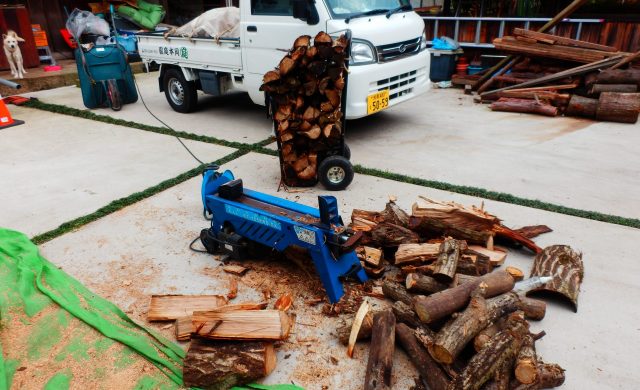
5 117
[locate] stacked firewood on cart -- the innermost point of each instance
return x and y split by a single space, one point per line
554 75
305 94
462 319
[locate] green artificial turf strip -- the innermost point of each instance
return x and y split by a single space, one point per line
121 203
500 197
259 147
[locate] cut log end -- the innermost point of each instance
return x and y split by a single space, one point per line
526 372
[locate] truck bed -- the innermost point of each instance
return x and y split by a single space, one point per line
222 54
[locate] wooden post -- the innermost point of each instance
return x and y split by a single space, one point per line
380 364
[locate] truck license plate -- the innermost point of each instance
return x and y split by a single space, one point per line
377 101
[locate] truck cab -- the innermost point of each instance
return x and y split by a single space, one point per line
389 61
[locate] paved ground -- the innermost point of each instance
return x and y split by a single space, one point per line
55 168
444 136
150 240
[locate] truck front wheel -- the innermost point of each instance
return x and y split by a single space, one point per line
181 94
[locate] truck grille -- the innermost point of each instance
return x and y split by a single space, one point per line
398 50
399 85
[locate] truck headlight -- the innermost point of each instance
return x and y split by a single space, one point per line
362 53
423 40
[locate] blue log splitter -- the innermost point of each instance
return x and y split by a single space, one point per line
242 217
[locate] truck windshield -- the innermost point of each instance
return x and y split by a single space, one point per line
342 9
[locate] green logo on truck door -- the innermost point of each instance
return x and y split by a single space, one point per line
177 52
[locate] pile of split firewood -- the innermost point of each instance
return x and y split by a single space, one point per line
463 324
305 94
231 344
552 75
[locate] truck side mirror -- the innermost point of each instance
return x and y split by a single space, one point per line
306 10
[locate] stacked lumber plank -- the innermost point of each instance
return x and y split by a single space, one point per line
463 323
306 94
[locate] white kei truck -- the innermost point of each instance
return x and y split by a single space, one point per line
389 61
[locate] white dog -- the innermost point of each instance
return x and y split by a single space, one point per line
10 42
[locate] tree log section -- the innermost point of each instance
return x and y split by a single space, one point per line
525 106
597 89
619 76
224 364
405 314
396 292
430 370
344 331
460 279
526 370
460 330
534 309
565 265
618 107
582 107
394 214
501 348
416 253
447 302
483 337
380 364
417 283
445 266
549 376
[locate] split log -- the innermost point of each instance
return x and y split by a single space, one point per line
224 364
242 325
501 377
425 336
565 266
582 107
235 269
496 256
422 270
447 302
417 283
597 89
396 292
416 253
361 315
380 364
394 214
427 367
533 231
474 264
548 376
500 349
452 219
534 309
171 307
372 257
344 331
525 106
618 107
619 76
526 367
460 330
557 99
447 263
184 325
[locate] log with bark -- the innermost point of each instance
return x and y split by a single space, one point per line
582 107
380 364
430 370
405 314
371 256
619 76
223 364
534 309
422 284
447 263
565 266
502 348
597 89
305 98
396 292
618 107
447 302
463 328
526 106
486 334
533 231
526 367
548 376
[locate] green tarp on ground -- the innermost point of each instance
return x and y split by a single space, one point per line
47 301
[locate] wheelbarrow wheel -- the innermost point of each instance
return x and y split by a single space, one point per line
113 95
335 173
